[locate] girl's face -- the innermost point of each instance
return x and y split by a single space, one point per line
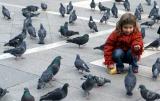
127 29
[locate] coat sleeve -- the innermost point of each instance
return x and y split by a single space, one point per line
137 40
109 48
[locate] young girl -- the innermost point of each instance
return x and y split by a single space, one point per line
124 45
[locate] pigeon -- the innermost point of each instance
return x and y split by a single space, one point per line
3 92
88 84
154 11
143 32
17 40
93 4
27 22
70 33
44 6
140 8
72 17
28 14
105 17
69 7
126 5
156 69
119 1
92 25
79 40
158 31
130 81
63 29
101 47
62 10
154 44
137 14
18 51
114 10
6 13
100 81
156 18
31 31
147 94
148 2
57 94
42 34
32 8
101 7
148 23
27 96
80 64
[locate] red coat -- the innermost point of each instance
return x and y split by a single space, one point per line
124 42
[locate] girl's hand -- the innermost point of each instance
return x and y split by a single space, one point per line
137 47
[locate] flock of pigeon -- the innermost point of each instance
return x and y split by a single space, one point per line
90 80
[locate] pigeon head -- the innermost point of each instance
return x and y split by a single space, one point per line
26 89
142 87
41 26
100 4
158 60
77 57
66 24
70 3
74 11
130 69
61 4
114 4
86 35
107 80
3 7
65 85
90 19
41 84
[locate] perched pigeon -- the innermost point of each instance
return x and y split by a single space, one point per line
148 23
27 96
79 40
140 8
154 11
69 7
32 8
62 10
80 64
42 34
72 17
102 8
18 51
105 16
3 92
70 33
63 29
156 18
148 2
130 81
28 14
114 10
92 25
101 47
31 31
27 22
6 12
154 44
126 5
137 14
93 4
156 69
57 94
44 6
147 94
119 0
143 32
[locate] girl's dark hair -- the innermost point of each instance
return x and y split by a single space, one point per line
127 18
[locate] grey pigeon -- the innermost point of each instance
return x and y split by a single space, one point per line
18 51
156 18
140 8
80 64
3 92
93 4
156 69
31 31
143 32
62 10
137 14
57 94
130 81
27 22
63 29
126 5
88 84
27 96
147 94
148 2
114 10
28 14
92 25
69 7
154 11
102 8
79 40
72 17
101 47
6 13
105 16
32 8
42 34
44 6
154 44
148 23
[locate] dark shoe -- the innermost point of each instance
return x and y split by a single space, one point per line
119 71
135 70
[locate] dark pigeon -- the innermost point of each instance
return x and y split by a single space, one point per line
69 7
156 18
62 10
70 33
119 0
28 14
147 94
6 13
156 69
44 6
32 8
27 96
148 2
143 32
79 40
126 5
18 51
63 29
101 47
105 16
31 31
130 81
93 4
154 11
3 92
140 8
114 10
102 8
80 64
57 94
158 31
92 25
72 17
154 44
148 23
27 22
137 14
41 34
